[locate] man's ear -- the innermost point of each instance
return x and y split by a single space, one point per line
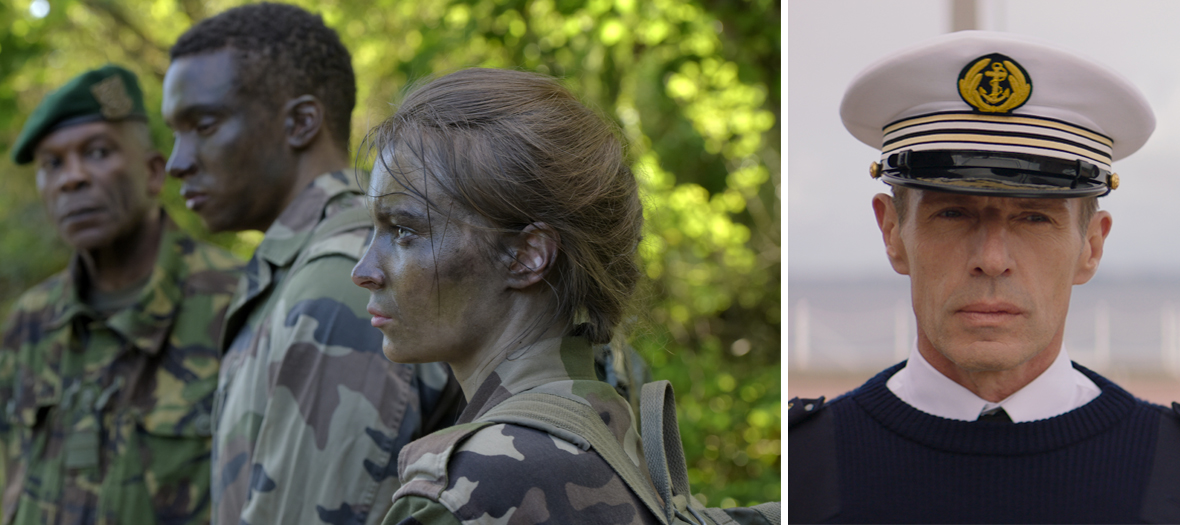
157 172
533 252
1092 246
891 233
303 120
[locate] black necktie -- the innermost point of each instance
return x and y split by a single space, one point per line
996 416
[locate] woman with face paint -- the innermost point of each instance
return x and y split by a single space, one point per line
506 225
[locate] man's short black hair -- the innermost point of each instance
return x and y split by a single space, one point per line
283 51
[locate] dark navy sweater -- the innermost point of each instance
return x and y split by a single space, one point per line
868 457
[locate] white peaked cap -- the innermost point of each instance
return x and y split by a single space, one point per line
996 113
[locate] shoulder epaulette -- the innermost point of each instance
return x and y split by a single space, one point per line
800 410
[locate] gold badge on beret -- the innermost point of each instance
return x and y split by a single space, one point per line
112 95
994 84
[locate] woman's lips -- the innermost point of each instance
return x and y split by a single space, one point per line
379 318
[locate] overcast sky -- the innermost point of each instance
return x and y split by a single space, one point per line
831 230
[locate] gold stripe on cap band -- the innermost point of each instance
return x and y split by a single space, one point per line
992 128
1032 121
984 140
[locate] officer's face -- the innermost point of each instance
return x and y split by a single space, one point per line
229 149
98 181
991 277
435 292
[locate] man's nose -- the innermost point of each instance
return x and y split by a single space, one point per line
992 256
183 161
74 175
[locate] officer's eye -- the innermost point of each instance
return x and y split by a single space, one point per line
950 214
1036 217
50 163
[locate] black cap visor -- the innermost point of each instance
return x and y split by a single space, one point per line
995 174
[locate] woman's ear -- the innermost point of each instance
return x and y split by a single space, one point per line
533 252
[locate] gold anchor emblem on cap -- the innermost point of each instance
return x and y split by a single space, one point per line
112 97
1008 85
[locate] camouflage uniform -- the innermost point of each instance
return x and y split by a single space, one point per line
479 472
107 420
311 415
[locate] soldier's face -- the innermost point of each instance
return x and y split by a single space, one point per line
229 149
991 277
98 181
435 292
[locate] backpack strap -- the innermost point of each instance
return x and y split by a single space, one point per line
579 424
665 460
665 454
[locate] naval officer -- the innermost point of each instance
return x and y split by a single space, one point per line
996 149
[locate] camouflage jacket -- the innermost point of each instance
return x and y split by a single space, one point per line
108 420
310 414
476 472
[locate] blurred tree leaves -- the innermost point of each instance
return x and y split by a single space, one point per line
694 86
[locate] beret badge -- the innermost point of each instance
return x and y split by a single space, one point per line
994 84
112 96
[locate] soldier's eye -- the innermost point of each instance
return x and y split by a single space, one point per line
206 125
402 235
98 153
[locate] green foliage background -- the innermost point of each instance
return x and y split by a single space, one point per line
693 84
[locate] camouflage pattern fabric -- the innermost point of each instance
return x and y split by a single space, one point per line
480 472
108 420
311 415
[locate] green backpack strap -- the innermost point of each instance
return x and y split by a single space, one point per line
579 424
665 461
665 454
671 499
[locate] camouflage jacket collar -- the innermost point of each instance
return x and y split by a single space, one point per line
292 230
544 362
146 324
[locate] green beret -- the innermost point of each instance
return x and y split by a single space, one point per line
108 93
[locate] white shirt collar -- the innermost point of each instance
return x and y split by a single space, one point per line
1059 389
